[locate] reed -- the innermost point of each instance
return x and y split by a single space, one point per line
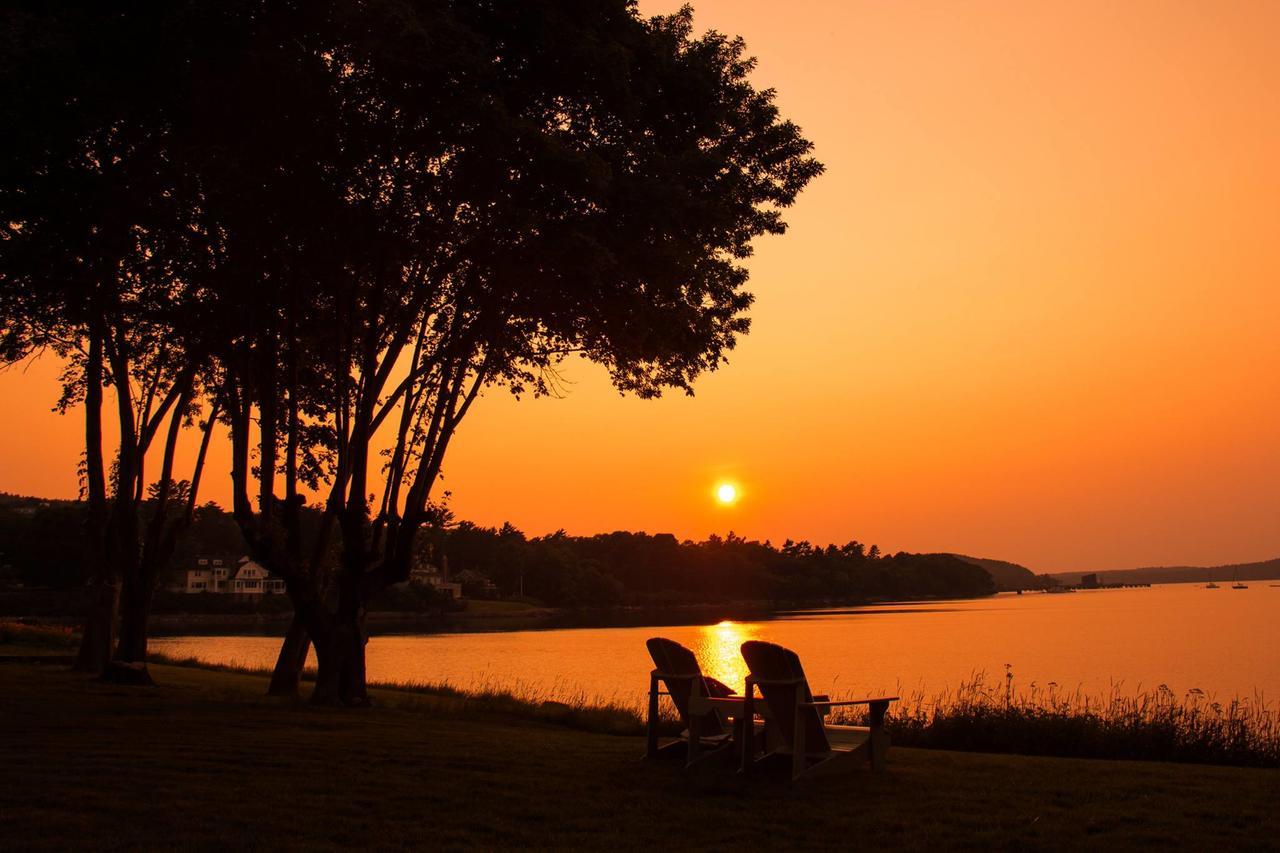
1150 725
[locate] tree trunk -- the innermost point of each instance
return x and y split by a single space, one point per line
287 676
99 627
328 664
340 668
130 663
355 690
103 591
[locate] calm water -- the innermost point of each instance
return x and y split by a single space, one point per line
1225 642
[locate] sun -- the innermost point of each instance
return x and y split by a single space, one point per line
727 494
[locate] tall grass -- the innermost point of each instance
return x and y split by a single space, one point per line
19 633
1155 725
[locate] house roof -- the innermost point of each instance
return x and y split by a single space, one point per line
246 563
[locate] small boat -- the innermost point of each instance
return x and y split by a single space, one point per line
1236 583
1211 585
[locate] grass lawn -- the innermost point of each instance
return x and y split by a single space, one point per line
204 762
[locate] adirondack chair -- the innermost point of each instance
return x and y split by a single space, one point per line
705 705
795 722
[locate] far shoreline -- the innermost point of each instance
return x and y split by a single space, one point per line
485 621
395 623
392 623
512 619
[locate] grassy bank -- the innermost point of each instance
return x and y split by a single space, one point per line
581 712
204 761
976 717
979 716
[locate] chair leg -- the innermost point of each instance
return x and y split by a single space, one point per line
694 739
878 742
748 727
651 724
878 749
797 745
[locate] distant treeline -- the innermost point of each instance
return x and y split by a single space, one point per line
1259 571
40 546
641 568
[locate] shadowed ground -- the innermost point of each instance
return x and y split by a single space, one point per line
204 762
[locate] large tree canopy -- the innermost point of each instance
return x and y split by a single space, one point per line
358 214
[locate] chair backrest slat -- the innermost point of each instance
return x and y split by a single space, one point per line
678 669
783 685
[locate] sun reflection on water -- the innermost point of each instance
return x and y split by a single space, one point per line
718 648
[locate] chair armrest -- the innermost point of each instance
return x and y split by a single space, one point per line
779 682
885 699
727 702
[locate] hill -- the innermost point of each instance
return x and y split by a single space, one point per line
1263 570
1008 576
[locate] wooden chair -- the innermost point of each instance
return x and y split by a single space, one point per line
704 704
795 718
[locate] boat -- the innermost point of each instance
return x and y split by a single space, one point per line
1236 583
1211 585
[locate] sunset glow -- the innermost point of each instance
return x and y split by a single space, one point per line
1010 320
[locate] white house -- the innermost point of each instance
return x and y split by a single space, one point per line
252 579
244 578
210 575
426 574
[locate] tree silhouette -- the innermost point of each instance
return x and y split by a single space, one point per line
343 221
85 189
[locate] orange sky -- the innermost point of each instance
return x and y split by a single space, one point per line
1030 312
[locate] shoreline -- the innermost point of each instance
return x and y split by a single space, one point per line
393 623
484 621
